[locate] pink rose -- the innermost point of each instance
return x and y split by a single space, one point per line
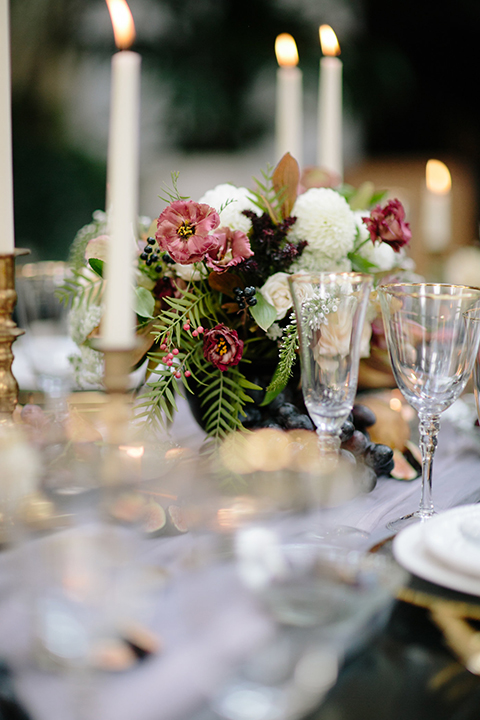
184 230
388 225
233 247
222 347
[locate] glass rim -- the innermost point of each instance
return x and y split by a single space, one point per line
395 289
472 310
308 274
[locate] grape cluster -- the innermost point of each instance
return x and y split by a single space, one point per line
356 441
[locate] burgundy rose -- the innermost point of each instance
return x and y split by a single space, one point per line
222 347
388 225
185 230
233 248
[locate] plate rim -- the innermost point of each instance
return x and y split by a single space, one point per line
410 552
469 562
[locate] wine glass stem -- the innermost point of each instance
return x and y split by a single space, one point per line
329 443
428 428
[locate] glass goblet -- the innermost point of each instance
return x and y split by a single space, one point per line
330 309
432 351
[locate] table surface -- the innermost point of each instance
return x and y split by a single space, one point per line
406 663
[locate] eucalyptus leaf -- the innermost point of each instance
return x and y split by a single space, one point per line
144 303
263 313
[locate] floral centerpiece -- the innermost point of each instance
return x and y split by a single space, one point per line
212 297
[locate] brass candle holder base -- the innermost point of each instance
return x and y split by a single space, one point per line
8 334
117 411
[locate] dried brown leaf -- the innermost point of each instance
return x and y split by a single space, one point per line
285 179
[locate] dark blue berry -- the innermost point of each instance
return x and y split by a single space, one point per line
249 291
241 305
154 257
144 256
151 240
148 249
238 292
158 268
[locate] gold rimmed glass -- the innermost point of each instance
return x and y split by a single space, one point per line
432 352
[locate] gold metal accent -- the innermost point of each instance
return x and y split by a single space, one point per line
116 412
8 334
432 602
451 617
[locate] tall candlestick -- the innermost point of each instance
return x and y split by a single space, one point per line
118 325
437 207
289 111
6 181
329 139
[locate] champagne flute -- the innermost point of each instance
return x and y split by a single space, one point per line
330 310
432 352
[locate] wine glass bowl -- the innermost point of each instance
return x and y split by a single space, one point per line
432 351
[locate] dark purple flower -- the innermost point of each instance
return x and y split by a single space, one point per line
222 347
388 225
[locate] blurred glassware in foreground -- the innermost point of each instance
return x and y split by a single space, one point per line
432 351
46 345
330 311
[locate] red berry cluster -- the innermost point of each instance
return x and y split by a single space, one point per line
172 352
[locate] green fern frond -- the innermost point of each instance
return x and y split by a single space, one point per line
266 198
287 356
171 195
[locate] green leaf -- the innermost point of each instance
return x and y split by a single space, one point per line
361 264
263 313
279 386
243 382
97 266
144 302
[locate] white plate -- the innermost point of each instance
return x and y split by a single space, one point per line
411 553
447 537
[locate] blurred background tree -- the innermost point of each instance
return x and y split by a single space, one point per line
208 84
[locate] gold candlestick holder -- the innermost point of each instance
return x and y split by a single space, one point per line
8 334
117 411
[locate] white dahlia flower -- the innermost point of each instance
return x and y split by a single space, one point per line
231 215
326 221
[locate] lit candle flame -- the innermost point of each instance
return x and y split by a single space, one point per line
438 177
286 50
328 41
122 21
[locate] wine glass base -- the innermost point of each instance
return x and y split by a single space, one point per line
412 518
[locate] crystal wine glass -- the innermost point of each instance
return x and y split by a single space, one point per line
330 310
432 351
